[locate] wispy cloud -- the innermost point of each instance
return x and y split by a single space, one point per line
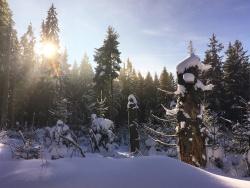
172 33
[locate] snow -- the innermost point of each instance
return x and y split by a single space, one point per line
191 61
203 87
150 142
180 90
101 73
188 77
132 102
172 112
215 153
183 124
98 172
100 123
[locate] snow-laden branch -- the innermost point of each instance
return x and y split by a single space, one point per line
170 112
180 90
203 87
157 132
161 142
161 119
167 92
192 61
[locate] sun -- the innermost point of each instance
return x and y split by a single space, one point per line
48 50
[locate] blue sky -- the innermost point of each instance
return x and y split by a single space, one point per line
153 33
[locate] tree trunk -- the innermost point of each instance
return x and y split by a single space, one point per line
133 132
191 143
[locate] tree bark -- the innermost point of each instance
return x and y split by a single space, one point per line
133 132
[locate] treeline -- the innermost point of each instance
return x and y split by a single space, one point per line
38 88
230 75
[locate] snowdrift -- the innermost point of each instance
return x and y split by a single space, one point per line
99 172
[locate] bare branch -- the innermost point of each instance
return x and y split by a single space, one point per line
157 132
161 119
167 92
163 143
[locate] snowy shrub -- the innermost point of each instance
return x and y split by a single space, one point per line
102 135
63 141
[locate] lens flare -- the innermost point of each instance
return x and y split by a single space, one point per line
48 50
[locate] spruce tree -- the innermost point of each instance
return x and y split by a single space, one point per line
6 26
86 71
50 77
149 95
128 84
215 74
140 96
167 84
15 76
87 95
236 80
108 62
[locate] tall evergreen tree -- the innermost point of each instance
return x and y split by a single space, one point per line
127 83
166 83
108 62
50 27
236 80
14 77
86 71
149 95
213 58
6 26
87 98
48 91
140 95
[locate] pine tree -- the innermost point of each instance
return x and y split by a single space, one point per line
215 74
127 84
28 74
149 95
27 46
50 83
108 62
86 71
236 80
241 131
50 27
140 96
14 77
6 24
87 95
157 95
167 84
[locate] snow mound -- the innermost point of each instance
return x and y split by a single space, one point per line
97 172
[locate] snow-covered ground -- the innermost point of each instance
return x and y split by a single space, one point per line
96 171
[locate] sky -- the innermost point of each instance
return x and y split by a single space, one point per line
153 33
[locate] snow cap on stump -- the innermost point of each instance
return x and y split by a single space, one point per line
191 61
